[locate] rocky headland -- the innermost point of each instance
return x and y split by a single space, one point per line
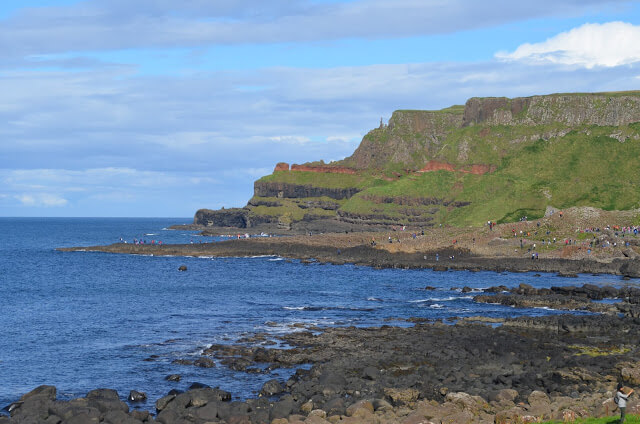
492 158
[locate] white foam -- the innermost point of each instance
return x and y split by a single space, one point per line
436 306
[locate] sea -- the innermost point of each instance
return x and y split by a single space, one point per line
87 320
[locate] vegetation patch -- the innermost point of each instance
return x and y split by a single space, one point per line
599 351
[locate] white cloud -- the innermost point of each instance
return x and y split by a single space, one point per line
292 139
41 200
345 138
590 45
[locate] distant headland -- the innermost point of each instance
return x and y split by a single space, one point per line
493 159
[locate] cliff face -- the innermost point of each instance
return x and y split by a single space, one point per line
493 158
572 109
413 138
295 191
408 133
236 218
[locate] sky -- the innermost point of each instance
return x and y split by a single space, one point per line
157 108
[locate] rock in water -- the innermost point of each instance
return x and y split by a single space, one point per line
182 268
135 396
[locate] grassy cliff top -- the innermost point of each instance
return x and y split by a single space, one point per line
561 150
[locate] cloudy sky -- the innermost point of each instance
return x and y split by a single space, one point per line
161 107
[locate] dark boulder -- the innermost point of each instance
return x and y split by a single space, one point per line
135 396
271 387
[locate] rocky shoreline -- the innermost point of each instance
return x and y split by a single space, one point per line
524 370
358 252
474 370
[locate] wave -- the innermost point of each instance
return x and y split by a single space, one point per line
374 299
437 306
440 299
326 308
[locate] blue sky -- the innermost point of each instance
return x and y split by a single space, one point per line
161 107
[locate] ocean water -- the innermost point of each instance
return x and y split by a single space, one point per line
82 320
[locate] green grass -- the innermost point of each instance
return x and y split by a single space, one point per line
582 168
629 419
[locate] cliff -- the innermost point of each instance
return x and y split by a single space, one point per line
491 159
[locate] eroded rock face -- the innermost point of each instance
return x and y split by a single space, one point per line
281 166
238 218
323 169
589 109
287 190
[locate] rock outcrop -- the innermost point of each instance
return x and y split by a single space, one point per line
603 109
297 191
236 218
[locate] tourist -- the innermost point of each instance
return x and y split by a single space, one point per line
622 395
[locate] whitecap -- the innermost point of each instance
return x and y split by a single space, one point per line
436 306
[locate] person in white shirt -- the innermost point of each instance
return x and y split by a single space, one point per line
622 395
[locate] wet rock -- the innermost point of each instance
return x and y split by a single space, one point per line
631 268
182 268
135 396
140 415
197 385
173 377
162 403
105 400
204 363
208 412
271 387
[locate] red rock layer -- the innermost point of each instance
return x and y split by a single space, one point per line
323 169
281 166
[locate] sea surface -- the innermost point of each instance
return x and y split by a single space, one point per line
83 320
